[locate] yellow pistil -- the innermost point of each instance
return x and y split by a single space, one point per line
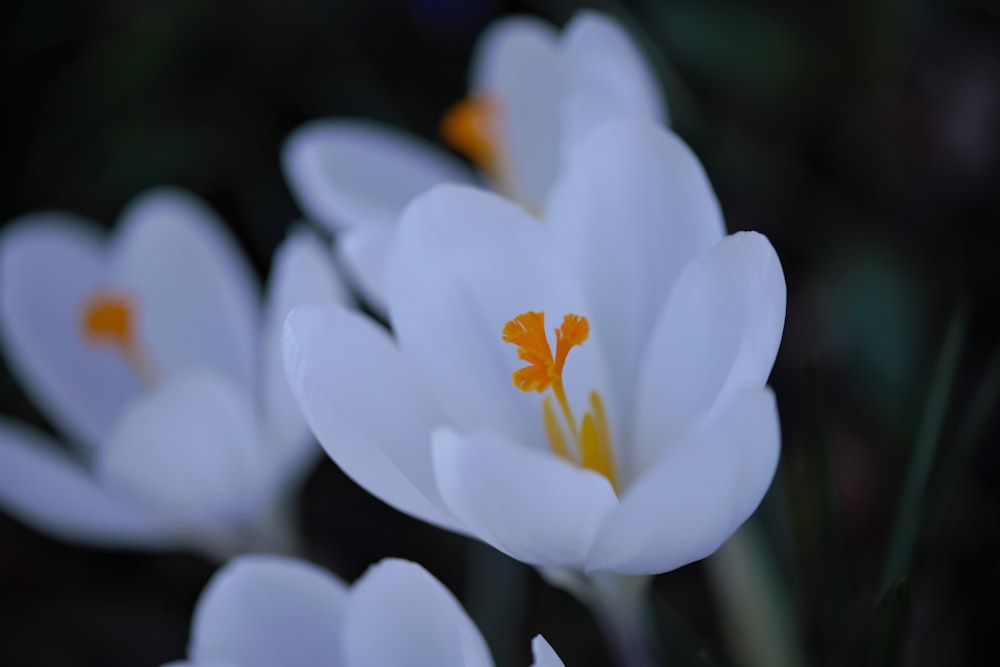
592 436
108 318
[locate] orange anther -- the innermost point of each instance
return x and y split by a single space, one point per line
470 127
592 437
107 318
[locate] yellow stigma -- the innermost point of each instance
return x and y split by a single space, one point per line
470 127
108 318
592 436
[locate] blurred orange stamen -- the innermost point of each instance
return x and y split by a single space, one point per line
108 318
470 127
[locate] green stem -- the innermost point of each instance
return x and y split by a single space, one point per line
911 506
754 601
621 606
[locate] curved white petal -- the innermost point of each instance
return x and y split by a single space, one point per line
398 614
718 334
263 611
697 494
188 449
50 265
464 263
631 210
45 488
543 655
196 296
518 64
365 407
531 505
347 172
364 252
302 272
607 77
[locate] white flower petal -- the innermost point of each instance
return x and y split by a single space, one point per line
50 264
543 655
197 297
364 252
188 449
398 614
607 77
266 611
517 63
302 272
631 210
360 399
45 488
531 505
718 334
697 494
351 173
466 262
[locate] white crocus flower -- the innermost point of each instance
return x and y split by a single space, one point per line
151 354
633 441
534 92
271 611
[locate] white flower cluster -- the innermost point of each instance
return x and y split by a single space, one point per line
574 371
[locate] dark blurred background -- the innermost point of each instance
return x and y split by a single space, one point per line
863 137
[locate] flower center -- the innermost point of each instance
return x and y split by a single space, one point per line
589 443
108 318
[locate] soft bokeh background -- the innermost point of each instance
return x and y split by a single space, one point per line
863 137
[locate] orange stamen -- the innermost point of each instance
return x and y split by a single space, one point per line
469 127
592 437
108 318
596 450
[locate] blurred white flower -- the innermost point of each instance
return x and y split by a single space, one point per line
271 611
534 92
633 441
150 352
